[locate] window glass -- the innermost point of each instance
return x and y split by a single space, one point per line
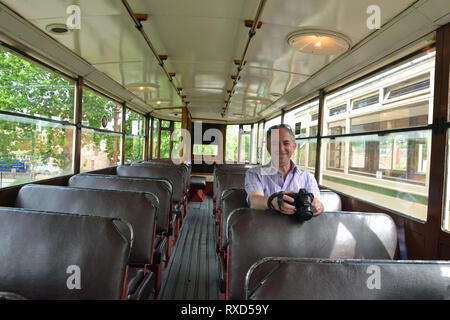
155 138
305 154
205 149
164 152
134 148
28 89
165 124
99 149
231 149
381 169
254 143
303 119
260 141
100 113
267 125
176 149
135 136
398 98
33 150
244 152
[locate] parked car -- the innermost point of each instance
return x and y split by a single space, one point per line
46 168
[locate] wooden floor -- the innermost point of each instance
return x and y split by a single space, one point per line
193 270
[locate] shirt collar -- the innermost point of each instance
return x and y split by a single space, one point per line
274 169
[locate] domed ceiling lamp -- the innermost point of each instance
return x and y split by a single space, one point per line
319 41
142 86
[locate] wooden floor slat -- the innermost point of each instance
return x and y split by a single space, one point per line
193 270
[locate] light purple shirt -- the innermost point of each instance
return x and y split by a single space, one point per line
269 180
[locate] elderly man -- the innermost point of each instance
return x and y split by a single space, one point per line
281 174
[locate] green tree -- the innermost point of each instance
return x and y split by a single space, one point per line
28 89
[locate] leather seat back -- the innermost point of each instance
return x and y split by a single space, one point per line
297 279
173 174
254 234
138 208
182 166
331 200
162 188
224 169
232 199
228 180
44 254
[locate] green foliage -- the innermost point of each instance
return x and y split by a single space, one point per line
28 89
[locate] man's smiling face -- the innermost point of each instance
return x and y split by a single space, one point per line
281 146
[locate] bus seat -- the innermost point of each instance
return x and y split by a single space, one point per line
221 169
162 188
183 167
331 200
254 234
50 255
138 208
228 180
326 279
231 199
174 175
198 183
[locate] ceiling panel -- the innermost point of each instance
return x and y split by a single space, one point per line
202 38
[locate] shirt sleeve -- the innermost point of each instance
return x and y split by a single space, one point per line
312 185
252 183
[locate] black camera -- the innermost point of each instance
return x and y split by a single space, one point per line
302 202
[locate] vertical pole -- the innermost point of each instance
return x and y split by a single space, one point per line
124 132
319 135
77 116
147 136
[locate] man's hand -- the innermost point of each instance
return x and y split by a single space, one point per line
286 208
316 206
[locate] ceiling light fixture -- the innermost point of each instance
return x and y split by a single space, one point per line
142 86
158 102
58 29
319 41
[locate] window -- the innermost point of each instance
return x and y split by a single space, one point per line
176 143
338 110
366 101
101 136
206 149
245 143
303 119
268 124
155 145
383 169
164 141
33 149
410 115
407 87
260 141
134 136
254 143
231 149
26 88
37 127
378 165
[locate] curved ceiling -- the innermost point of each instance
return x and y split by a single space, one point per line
202 38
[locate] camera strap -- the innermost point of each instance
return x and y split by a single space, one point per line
279 196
